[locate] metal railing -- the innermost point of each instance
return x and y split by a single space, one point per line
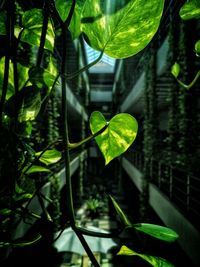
181 187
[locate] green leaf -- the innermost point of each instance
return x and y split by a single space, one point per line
121 214
5 212
175 69
29 104
49 156
35 169
75 24
154 261
10 90
32 22
63 8
197 48
118 136
157 231
2 23
21 194
41 76
22 72
190 10
121 28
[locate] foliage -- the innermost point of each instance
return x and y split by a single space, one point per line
27 83
154 261
118 136
190 10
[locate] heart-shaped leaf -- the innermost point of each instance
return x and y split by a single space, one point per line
153 260
32 22
120 28
190 10
175 70
157 231
117 137
49 156
63 8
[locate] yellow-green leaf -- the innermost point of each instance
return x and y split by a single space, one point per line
190 10
49 156
35 169
175 69
153 260
117 137
120 28
32 22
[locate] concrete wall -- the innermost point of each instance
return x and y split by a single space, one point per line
189 237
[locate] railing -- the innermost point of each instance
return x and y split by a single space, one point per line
182 188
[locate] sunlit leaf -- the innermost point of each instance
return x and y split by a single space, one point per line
153 260
35 168
121 28
2 23
29 104
63 8
49 156
21 194
32 22
190 10
175 70
40 76
10 90
22 72
197 48
118 136
75 24
157 231
121 214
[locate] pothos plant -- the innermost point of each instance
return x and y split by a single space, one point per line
120 29
190 10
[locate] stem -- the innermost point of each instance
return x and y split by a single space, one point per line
87 248
99 234
37 158
75 145
44 32
7 60
191 84
76 73
69 200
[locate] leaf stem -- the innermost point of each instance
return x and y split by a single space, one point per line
43 34
87 248
75 145
76 73
7 60
191 84
69 196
